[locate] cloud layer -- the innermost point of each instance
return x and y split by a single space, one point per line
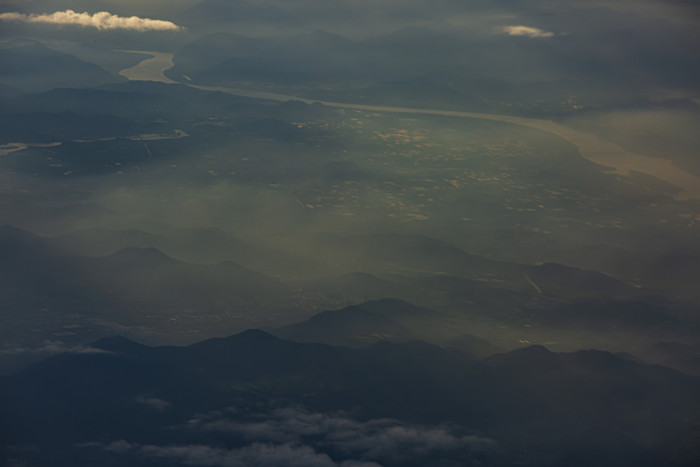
378 440
526 31
102 21
296 437
49 348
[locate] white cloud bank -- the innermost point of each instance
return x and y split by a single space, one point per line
102 21
525 31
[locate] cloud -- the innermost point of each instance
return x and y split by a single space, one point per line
119 446
378 440
525 31
154 403
298 437
102 21
258 454
49 348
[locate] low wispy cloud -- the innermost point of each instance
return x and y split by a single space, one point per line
49 348
295 437
373 441
154 403
257 454
102 21
525 31
263 455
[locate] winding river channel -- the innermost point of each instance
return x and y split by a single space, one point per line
601 152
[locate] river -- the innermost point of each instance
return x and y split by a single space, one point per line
149 69
592 148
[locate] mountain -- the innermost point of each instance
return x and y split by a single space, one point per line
141 271
15 242
357 286
424 323
609 314
194 245
353 325
112 61
29 261
673 271
102 242
9 91
669 271
140 101
30 213
148 273
78 298
225 58
36 68
677 355
394 252
559 279
402 311
473 345
538 406
401 254
44 127
388 319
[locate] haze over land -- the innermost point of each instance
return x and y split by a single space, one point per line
467 230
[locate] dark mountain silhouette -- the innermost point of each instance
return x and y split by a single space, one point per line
7 91
401 311
145 256
30 261
29 252
671 271
680 356
357 286
35 67
102 242
353 325
195 245
148 272
391 320
537 404
394 253
473 345
120 345
32 214
46 127
15 242
37 275
557 277
674 271
608 314
135 100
